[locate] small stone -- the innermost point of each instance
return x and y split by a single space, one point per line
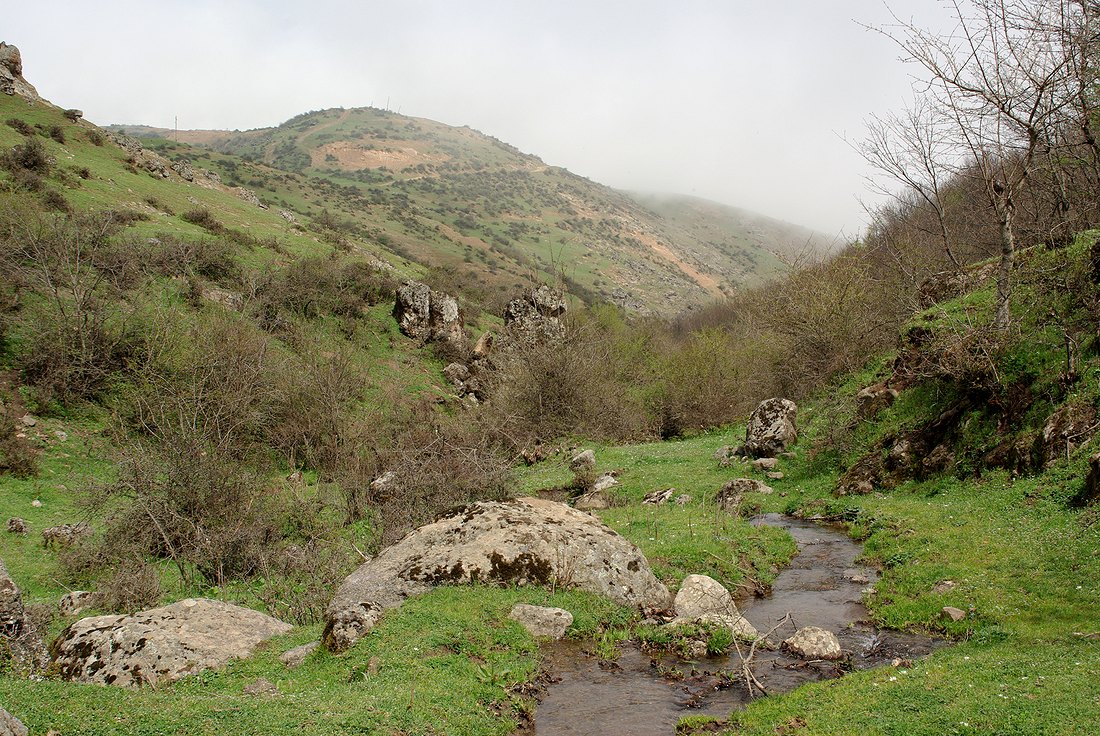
36 503
374 664
261 687
61 435
658 497
76 602
603 483
17 525
955 614
592 501
28 420
775 475
944 586
812 642
542 620
585 460
296 657
696 649
859 579
682 500
765 463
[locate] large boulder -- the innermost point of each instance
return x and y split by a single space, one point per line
17 631
161 645
771 429
527 541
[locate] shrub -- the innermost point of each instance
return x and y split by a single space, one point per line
21 126
17 455
56 201
30 155
204 219
56 132
94 137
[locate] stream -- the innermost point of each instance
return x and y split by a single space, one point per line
822 587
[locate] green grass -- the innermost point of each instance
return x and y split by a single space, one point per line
448 661
696 538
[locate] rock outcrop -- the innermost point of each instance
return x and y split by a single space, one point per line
771 429
525 541
427 315
160 645
17 631
11 74
536 315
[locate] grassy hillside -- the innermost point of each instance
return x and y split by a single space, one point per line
456 198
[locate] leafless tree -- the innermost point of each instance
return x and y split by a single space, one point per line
912 149
1003 82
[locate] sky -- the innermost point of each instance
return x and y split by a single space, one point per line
752 104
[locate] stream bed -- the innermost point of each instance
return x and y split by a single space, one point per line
822 586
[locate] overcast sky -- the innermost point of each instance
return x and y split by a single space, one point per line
745 103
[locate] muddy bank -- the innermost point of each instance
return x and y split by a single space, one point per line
640 694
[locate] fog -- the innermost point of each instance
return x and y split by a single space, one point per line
745 103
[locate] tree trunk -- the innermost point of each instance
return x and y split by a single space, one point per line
1005 211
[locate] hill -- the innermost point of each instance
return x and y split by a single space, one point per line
455 198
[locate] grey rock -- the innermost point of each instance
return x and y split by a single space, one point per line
584 460
261 687
17 631
11 74
603 483
484 346
183 168
774 475
542 621
702 599
771 428
812 642
536 316
527 541
76 602
730 495
457 373
658 497
873 399
296 657
426 315
161 645
28 420
763 464
683 499
384 484
592 501
11 726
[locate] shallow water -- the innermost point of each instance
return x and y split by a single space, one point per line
638 695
